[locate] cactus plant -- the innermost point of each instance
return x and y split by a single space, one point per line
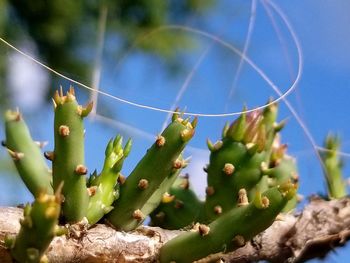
229 231
102 187
38 227
68 156
333 167
247 161
26 155
179 208
236 160
160 161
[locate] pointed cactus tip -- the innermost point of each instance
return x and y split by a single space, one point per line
127 147
85 111
261 202
194 122
49 155
16 156
176 114
225 129
210 145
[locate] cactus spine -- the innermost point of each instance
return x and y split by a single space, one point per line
231 230
68 155
26 154
38 228
159 162
103 187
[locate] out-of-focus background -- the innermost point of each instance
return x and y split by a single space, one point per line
179 53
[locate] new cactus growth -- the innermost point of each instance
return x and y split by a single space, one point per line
333 167
26 154
103 187
38 227
68 156
235 163
231 230
160 161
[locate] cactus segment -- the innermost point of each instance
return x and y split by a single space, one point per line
155 167
227 233
333 167
38 228
26 154
179 208
68 162
236 160
154 201
231 168
104 185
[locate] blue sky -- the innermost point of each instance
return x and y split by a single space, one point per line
320 99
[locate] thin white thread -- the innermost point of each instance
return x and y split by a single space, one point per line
186 84
340 153
245 48
96 73
290 107
196 31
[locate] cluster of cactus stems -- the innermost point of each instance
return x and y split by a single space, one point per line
250 180
333 165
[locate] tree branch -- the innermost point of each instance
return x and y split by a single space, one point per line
312 233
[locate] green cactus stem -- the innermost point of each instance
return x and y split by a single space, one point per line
38 228
68 155
26 155
333 167
156 198
235 163
231 230
179 208
103 187
160 161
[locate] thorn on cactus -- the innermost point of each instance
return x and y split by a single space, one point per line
85 111
138 215
228 169
49 155
63 130
160 141
143 184
238 241
209 190
81 170
242 198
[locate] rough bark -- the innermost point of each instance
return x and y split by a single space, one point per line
319 228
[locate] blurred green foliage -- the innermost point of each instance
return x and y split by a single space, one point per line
65 32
